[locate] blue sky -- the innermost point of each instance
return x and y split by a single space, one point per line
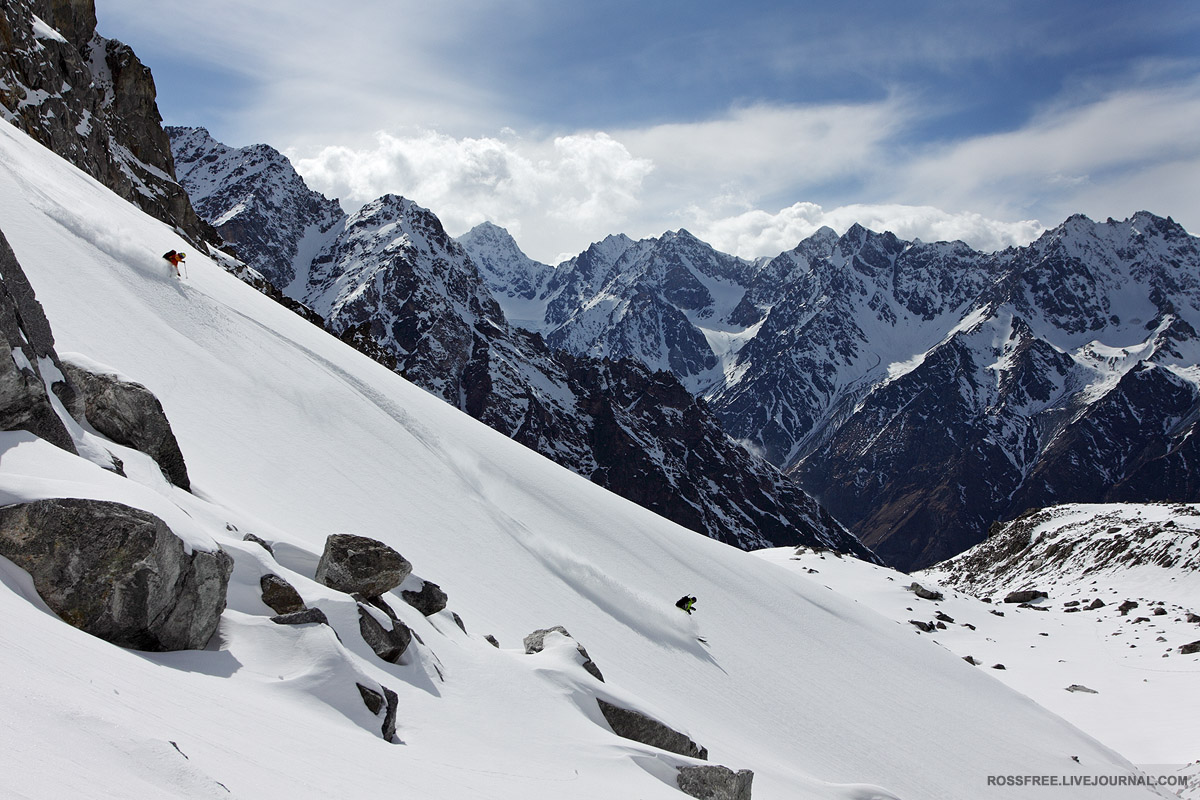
751 124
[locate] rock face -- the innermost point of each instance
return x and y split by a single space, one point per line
129 414
117 572
535 643
715 782
390 282
640 728
358 564
92 101
275 232
26 349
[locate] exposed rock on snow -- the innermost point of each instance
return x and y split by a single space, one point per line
925 594
129 414
261 542
117 572
279 595
637 726
715 782
1189 649
429 600
25 340
1075 687
360 565
389 643
386 704
536 642
1025 596
302 617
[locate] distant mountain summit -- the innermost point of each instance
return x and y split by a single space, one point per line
921 390
391 281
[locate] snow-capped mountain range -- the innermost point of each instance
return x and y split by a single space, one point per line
920 391
388 279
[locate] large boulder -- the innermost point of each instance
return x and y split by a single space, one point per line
26 347
129 414
1025 596
715 782
634 725
536 642
117 572
360 565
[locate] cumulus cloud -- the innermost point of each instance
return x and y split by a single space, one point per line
582 181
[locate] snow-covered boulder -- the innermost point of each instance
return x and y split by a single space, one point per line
117 572
129 414
359 564
635 725
536 642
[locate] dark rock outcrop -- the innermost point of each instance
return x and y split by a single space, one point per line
359 564
1190 649
302 617
91 101
634 725
1025 596
388 643
535 643
261 542
715 782
385 703
279 595
923 593
117 572
130 415
26 343
429 600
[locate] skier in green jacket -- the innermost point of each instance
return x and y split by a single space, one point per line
686 603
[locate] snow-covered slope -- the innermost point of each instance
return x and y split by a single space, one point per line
291 435
1143 700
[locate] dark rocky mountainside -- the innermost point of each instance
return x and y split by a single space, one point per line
389 280
920 390
92 101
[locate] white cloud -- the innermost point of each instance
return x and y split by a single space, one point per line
583 182
756 233
1128 150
